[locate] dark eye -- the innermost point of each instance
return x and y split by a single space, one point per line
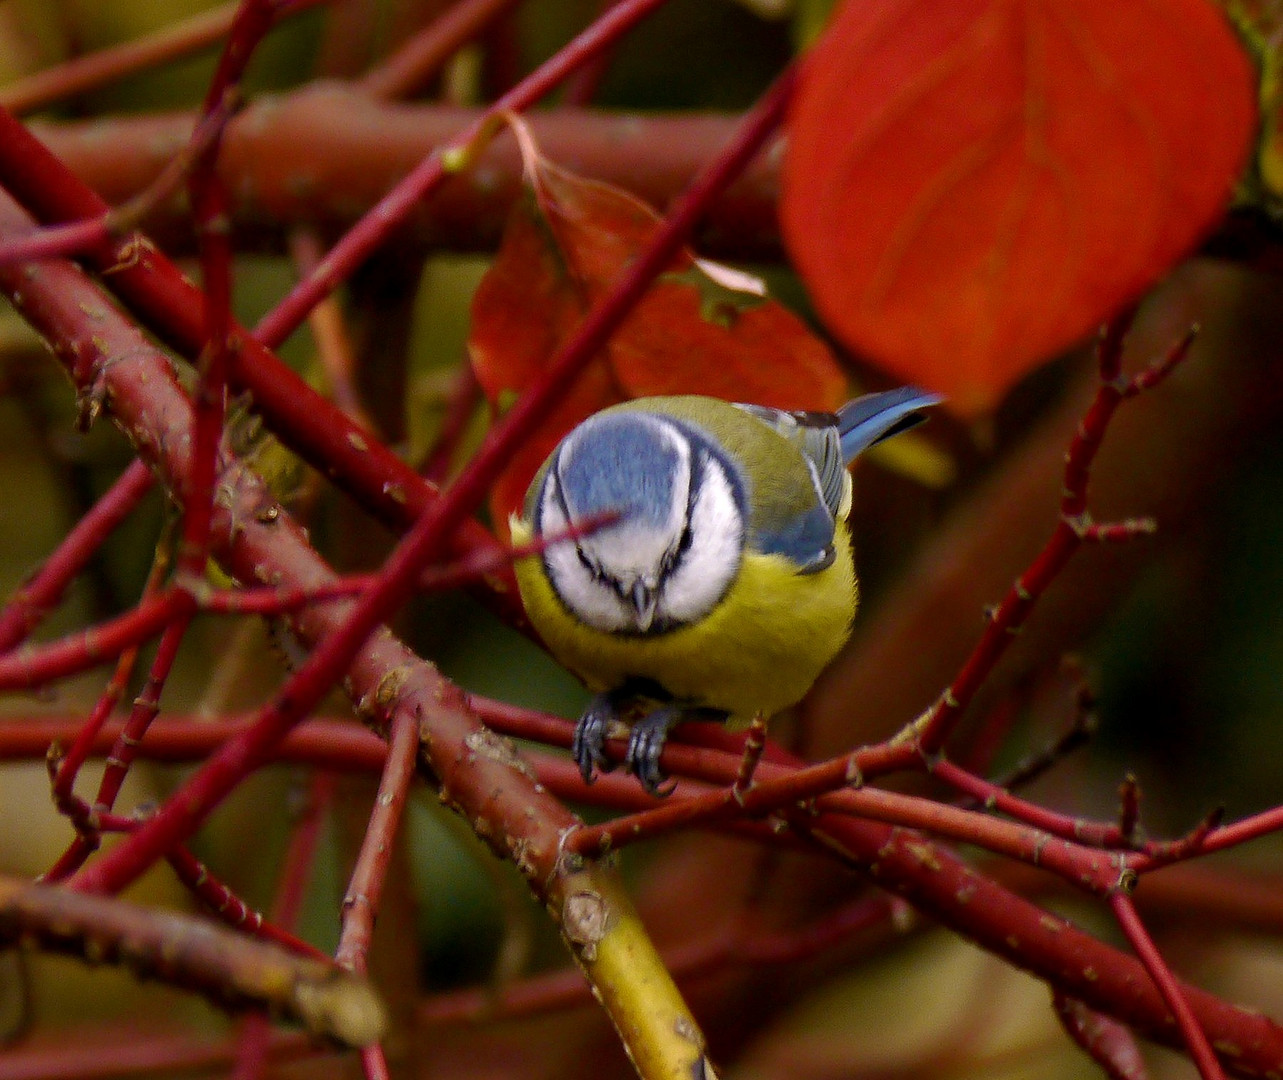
674 555
683 545
591 566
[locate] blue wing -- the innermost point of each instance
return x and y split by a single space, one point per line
831 442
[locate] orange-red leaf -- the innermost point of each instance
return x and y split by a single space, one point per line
974 185
695 331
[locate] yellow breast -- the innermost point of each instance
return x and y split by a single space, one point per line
759 650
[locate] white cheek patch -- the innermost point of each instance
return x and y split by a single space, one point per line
591 600
712 558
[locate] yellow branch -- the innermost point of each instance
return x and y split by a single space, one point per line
628 977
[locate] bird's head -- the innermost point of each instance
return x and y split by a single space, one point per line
676 547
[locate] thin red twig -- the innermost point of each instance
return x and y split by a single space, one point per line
85 73
333 343
1192 1032
42 664
74 237
929 732
65 768
43 591
1110 1044
994 797
365 888
386 216
300 856
461 406
420 58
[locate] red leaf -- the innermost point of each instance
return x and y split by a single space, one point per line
691 333
974 185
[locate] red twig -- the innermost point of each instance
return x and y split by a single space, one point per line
1079 731
465 396
97 69
1191 1030
994 797
776 790
304 420
754 744
1110 1044
1157 854
333 344
582 87
43 664
44 589
219 898
386 217
1222 838
212 218
256 1029
335 745
930 731
89 820
419 59
374 1065
365 888
75 237
86 819
143 712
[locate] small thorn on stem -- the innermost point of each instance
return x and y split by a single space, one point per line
1117 532
1129 807
1157 371
754 744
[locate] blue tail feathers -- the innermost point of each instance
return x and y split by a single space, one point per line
874 417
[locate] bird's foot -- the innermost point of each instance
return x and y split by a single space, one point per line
646 743
617 706
647 739
588 747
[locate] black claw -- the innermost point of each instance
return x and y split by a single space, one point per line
646 739
589 742
646 744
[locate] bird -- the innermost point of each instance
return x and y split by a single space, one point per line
723 582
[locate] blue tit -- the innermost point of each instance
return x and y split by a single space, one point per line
725 585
